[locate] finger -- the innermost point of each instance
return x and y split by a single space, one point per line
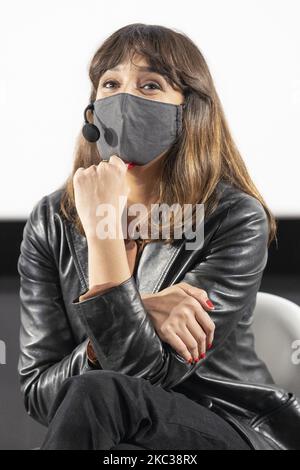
79 169
204 320
190 342
178 345
76 176
198 294
91 169
208 327
199 335
117 161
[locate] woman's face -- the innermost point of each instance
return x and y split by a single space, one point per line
135 78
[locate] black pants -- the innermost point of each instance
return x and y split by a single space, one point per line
101 408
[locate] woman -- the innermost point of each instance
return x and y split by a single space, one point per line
147 343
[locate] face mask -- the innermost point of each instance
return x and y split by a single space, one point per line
134 128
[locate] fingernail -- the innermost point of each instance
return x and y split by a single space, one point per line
202 355
190 361
210 304
196 359
209 346
130 165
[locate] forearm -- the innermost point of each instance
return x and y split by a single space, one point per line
124 338
97 289
107 261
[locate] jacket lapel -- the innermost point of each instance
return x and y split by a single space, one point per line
79 251
154 264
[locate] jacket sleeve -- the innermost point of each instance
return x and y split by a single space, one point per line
48 352
230 271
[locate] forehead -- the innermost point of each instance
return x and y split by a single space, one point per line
137 63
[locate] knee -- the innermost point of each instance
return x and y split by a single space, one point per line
105 383
73 393
91 382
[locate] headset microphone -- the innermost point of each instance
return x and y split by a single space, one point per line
89 130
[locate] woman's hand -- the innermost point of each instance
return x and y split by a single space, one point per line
179 319
101 191
103 184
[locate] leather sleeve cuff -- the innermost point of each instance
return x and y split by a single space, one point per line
121 331
96 290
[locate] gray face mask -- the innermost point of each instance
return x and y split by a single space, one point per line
134 128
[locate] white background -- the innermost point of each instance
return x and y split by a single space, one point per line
252 48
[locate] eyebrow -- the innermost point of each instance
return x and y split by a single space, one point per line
140 67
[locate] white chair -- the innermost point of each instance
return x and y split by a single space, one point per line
276 328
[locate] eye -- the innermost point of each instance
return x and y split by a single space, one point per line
108 81
155 86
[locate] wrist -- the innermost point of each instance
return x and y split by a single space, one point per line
145 297
100 230
147 301
112 239
107 261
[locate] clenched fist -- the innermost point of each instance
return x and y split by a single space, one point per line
100 190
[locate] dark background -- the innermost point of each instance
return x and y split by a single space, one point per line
17 429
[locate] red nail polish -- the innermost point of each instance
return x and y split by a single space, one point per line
130 165
209 346
210 304
190 361
197 359
202 355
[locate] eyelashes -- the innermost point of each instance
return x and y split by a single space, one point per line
155 85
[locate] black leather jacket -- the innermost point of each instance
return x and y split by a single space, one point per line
55 326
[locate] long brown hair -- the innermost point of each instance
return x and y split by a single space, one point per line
204 152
